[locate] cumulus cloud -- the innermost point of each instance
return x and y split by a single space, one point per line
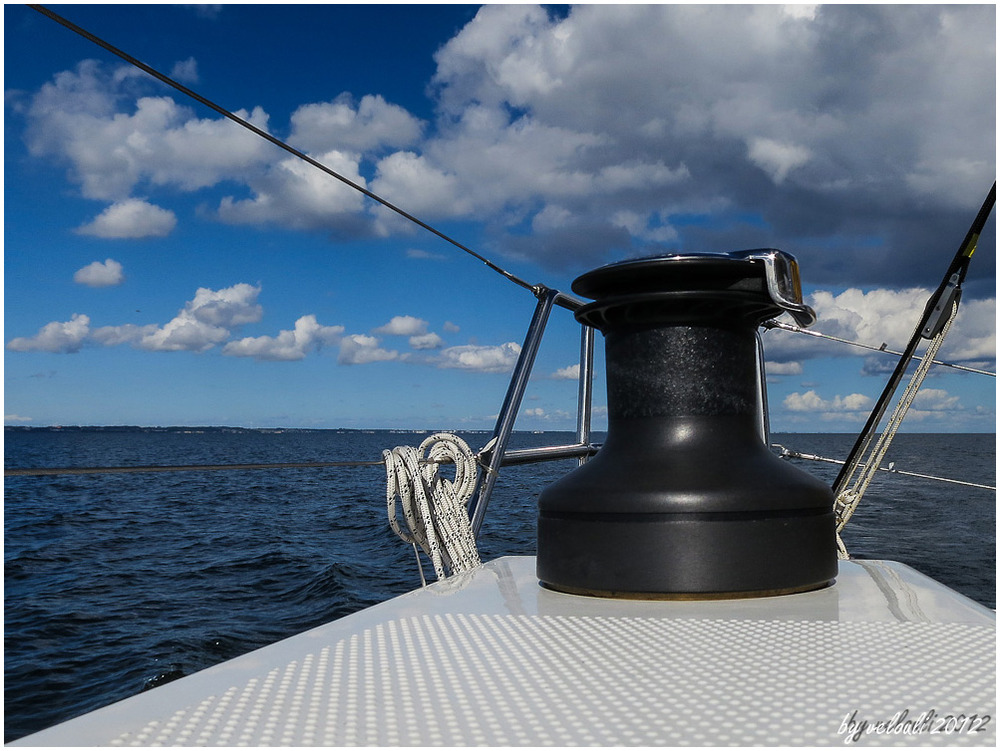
204 322
16 418
741 120
97 274
131 219
973 337
212 316
551 122
185 71
783 368
294 194
403 326
776 158
359 349
307 336
482 358
570 372
372 124
935 399
828 409
97 119
886 317
426 341
127 333
538 413
66 336
414 328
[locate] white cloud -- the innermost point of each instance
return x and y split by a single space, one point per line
884 316
807 12
205 321
294 194
937 405
451 328
66 336
403 326
538 413
131 219
185 71
737 87
482 358
424 255
307 336
874 317
570 372
97 274
16 418
973 337
409 179
426 341
79 119
935 399
552 121
828 409
775 158
372 124
783 368
128 333
359 349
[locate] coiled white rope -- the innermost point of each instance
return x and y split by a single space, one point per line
434 508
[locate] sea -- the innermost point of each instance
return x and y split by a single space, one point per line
117 583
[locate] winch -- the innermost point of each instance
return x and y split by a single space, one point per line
685 499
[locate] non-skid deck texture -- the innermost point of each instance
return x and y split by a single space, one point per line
886 656
550 680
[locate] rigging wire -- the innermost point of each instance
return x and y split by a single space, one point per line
942 304
533 288
50 471
793 454
956 271
820 335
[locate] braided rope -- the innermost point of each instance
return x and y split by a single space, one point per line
434 508
848 499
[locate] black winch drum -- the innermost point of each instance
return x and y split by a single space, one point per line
685 500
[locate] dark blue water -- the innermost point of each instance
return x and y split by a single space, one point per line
117 583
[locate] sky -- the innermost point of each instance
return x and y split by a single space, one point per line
164 267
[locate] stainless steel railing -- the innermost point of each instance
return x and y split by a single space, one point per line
496 454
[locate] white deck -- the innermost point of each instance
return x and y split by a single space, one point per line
491 658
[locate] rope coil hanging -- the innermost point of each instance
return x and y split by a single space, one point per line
434 508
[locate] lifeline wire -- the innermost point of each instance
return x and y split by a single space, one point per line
787 453
820 335
143 468
535 289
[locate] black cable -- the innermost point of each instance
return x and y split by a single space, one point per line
958 266
276 141
48 471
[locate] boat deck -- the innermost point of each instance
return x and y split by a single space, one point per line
886 656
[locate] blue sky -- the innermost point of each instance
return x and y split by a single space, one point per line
163 267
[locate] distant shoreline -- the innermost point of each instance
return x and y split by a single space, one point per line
227 429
